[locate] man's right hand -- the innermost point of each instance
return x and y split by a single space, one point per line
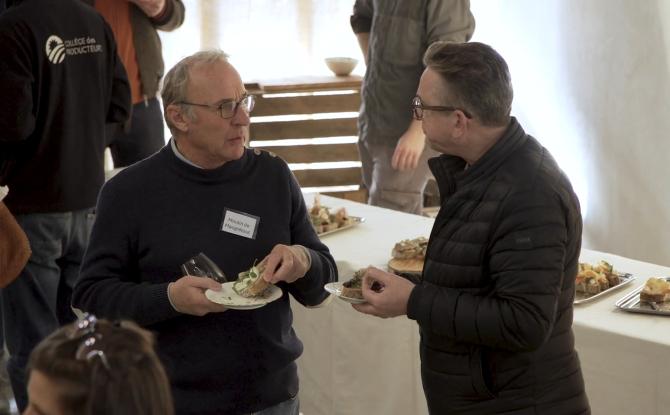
188 295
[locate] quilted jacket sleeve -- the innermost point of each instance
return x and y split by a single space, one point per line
525 260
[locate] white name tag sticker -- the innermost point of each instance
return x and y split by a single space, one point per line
239 223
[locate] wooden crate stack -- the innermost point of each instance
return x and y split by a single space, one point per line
311 105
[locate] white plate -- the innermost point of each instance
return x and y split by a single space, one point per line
335 288
228 297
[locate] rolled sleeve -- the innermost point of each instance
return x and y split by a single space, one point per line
361 19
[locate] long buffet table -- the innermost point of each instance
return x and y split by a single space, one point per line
357 364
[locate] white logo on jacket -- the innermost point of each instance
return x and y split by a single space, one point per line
56 48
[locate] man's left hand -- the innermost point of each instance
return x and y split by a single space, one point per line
286 263
386 294
409 148
151 8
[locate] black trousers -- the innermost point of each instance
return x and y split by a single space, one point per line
145 137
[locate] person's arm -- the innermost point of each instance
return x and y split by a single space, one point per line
166 15
120 104
110 284
307 255
361 23
14 245
17 112
409 147
449 20
364 42
525 262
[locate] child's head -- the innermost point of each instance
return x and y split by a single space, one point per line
96 367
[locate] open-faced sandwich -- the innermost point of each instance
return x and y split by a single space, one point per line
408 256
325 221
354 287
250 284
656 290
592 279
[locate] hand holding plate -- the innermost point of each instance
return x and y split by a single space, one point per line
188 295
386 294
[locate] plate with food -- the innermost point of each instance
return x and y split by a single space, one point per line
350 290
408 257
651 298
326 221
595 281
248 292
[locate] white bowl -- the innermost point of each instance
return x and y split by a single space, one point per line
341 66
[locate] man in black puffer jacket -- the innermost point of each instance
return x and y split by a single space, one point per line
495 302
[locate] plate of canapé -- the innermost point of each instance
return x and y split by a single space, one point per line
595 281
327 221
651 298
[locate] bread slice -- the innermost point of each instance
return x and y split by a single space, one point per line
250 284
354 287
410 266
593 280
410 248
655 290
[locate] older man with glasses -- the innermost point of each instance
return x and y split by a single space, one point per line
155 215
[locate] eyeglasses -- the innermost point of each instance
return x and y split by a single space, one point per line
228 108
418 108
89 345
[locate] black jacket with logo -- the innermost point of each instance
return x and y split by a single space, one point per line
495 304
61 81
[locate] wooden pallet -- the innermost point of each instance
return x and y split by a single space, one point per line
307 120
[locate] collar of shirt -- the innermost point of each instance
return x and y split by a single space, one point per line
180 156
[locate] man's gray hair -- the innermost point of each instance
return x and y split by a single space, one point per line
477 79
176 80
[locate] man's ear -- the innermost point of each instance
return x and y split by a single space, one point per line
177 117
461 125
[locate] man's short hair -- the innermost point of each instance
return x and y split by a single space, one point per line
175 83
477 79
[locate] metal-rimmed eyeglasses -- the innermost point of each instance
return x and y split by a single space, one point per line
418 108
89 340
228 107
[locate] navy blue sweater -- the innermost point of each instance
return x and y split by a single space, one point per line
155 215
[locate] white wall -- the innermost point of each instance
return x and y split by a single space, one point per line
592 83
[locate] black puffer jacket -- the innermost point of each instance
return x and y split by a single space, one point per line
495 304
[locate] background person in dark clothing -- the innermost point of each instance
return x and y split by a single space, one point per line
155 215
135 24
61 82
495 304
393 35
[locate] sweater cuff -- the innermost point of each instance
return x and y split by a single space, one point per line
308 256
164 15
311 285
305 282
160 307
170 298
420 303
360 24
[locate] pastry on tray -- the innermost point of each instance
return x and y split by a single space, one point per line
409 256
593 279
325 221
655 290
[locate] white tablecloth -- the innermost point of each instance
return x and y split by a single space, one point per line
356 364
625 357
